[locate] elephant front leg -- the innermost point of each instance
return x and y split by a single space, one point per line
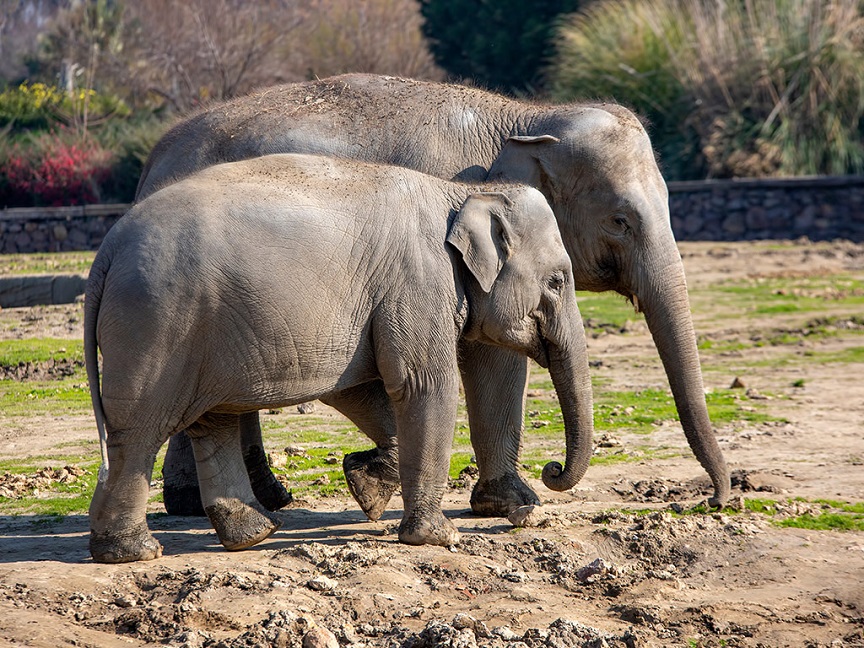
425 431
118 521
226 493
372 475
494 380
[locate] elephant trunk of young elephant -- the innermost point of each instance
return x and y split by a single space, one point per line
568 368
667 311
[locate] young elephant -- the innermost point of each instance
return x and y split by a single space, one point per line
286 278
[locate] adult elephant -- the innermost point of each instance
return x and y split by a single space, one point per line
596 167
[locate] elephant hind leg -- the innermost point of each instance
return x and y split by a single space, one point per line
180 490
118 510
226 493
268 490
372 475
181 493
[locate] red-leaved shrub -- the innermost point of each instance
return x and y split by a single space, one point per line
54 172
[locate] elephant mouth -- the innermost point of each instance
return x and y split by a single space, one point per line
540 352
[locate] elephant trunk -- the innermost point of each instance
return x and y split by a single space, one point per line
568 367
667 313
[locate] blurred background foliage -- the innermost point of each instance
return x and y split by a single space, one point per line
729 87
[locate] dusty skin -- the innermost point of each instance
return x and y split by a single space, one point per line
577 575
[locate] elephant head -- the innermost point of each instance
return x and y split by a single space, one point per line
597 168
521 296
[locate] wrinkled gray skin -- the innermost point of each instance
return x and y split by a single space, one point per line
594 164
286 278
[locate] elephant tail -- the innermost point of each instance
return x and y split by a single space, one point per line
92 300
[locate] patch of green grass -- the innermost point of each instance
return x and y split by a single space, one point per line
604 310
46 263
771 296
458 462
722 346
13 352
828 521
641 411
849 355
836 516
57 397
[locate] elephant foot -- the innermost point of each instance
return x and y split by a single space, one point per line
438 530
268 490
499 497
126 547
373 477
240 525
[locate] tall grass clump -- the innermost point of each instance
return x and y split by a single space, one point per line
733 87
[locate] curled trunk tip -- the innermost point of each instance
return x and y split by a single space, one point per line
558 478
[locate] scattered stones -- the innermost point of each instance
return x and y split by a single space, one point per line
16 486
52 369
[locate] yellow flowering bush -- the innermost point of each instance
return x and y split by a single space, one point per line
38 105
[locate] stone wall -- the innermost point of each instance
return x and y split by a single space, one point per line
56 229
820 208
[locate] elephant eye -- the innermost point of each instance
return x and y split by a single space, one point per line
621 223
555 282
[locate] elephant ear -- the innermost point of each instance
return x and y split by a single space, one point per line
519 160
481 232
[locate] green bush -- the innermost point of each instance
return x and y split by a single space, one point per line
501 44
623 50
733 88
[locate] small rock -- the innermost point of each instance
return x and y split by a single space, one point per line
319 637
466 622
608 441
323 480
522 595
754 394
296 451
505 633
737 383
306 408
527 516
125 601
322 584
598 567
515 576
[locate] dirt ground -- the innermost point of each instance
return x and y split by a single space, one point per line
578 575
